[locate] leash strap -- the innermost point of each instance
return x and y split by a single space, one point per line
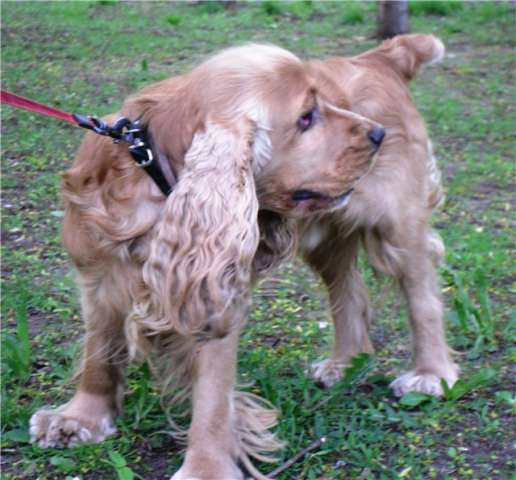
123 130
24 103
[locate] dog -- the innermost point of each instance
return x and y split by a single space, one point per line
267 156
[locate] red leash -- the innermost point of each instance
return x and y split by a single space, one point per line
21 102
123 130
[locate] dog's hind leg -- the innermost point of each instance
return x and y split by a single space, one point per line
431 354
88 416
335 259
412 262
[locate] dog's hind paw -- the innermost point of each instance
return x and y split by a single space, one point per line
327 372
52 428
428 383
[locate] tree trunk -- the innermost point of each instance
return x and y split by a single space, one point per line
393 18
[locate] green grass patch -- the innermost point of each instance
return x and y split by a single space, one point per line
429 7
353 14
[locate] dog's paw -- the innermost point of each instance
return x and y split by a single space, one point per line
179 475
327 372
182 474
208 462
53 428
428 383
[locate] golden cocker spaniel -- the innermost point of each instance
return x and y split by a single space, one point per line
267 156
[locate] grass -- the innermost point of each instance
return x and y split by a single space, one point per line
86 57
430 7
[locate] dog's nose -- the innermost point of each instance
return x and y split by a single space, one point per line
376 136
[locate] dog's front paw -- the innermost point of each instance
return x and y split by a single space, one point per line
428 383
180 475
53 428
184 474
327 372
208 464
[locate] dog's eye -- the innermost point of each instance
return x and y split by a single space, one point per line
307 120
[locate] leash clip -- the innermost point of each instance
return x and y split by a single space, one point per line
92 123
116 132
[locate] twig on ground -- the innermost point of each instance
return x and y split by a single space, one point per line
298 456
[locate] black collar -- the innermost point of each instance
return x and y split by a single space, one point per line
144 156
136 135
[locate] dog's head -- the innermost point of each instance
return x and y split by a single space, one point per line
320 151
249 129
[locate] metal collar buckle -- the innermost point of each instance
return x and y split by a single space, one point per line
134 134
141 153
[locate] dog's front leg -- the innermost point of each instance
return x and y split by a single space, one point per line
349 304
211 450
89 416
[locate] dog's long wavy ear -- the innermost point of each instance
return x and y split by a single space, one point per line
199 269
407 53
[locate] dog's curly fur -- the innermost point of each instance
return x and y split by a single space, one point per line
266 153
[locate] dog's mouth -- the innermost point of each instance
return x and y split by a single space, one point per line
342 199
319 201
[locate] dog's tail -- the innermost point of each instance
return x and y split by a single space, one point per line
408 53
